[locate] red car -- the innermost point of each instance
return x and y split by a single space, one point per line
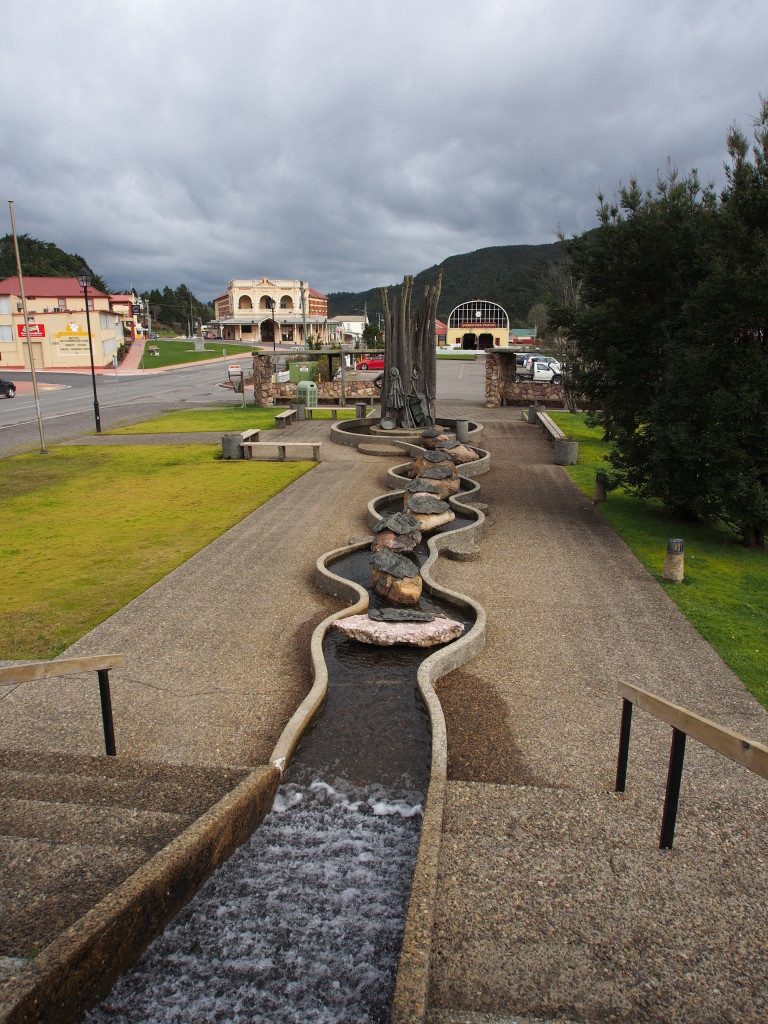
372 363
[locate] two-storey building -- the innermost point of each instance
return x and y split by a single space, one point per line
58 327
268 311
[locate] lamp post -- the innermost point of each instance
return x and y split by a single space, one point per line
272 304
84 278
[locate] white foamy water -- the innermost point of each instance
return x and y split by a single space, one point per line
303 924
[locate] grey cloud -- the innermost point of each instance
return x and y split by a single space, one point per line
351 143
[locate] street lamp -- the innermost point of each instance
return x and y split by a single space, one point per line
84 278
272 305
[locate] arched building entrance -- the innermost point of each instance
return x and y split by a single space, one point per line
478 325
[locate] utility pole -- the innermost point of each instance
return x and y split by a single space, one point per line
43 450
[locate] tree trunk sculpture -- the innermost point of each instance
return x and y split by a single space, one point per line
410 349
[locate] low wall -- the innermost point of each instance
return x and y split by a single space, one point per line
266 392
501 388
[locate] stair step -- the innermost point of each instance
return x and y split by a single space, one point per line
65 823
47 886
119 781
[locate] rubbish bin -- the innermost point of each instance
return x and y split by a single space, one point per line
306 392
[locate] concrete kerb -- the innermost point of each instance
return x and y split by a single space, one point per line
81 965
344 590
410 1000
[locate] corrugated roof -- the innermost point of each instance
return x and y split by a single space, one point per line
47 288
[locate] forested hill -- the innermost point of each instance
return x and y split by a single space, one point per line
512 275
41 259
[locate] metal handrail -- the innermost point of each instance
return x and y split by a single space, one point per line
31 671
746 752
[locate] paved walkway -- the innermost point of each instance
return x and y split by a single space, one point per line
553 900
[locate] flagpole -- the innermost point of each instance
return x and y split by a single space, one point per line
43 450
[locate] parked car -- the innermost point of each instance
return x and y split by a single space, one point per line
371 363
7 388
535 367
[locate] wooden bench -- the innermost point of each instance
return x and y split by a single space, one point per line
282 419
332 409
250 435
153 350
262 450
550 427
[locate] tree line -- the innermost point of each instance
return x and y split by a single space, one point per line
667 317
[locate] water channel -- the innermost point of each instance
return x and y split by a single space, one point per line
304 922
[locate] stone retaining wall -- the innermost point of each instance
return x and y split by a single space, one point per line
501 388
265 392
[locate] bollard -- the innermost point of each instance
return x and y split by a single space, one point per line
462 431
674 561
601 487
231 446
532 416
360 410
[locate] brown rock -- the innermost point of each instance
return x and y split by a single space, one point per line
418 634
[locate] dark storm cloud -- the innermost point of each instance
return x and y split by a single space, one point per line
350 143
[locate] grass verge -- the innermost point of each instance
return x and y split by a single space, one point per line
88 529
725 592
176 351
221 419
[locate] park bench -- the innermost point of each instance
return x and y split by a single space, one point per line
153 350
566 451
550 427
263 450
282 419
232 444
333 409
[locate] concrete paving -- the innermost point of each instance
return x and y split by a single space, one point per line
553 901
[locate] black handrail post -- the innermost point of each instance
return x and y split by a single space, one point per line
106 712
674 775
621 765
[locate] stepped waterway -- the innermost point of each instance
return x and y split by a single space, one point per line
305 921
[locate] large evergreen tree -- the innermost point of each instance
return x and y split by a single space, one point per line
671 328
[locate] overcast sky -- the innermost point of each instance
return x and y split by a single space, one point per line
350 142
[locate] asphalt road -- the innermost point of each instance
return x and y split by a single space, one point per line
66 399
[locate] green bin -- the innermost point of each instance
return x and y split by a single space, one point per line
306 391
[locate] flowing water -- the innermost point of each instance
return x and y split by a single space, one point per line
304 922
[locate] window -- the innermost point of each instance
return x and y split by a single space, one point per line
6 333
62 305
5 304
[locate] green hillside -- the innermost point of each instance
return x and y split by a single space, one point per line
41 259
511 275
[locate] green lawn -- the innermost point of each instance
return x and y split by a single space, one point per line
725 592
85 530
172 351
220 419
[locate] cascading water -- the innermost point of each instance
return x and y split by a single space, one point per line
304 922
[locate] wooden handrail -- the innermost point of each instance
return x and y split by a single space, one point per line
35 670
730 744
31 670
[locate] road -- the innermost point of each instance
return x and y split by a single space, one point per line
66 399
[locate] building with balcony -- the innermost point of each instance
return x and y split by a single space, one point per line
58 325
271 311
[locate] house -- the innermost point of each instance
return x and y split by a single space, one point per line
58 325
268 311
347 329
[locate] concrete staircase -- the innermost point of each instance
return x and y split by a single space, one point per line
73 828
